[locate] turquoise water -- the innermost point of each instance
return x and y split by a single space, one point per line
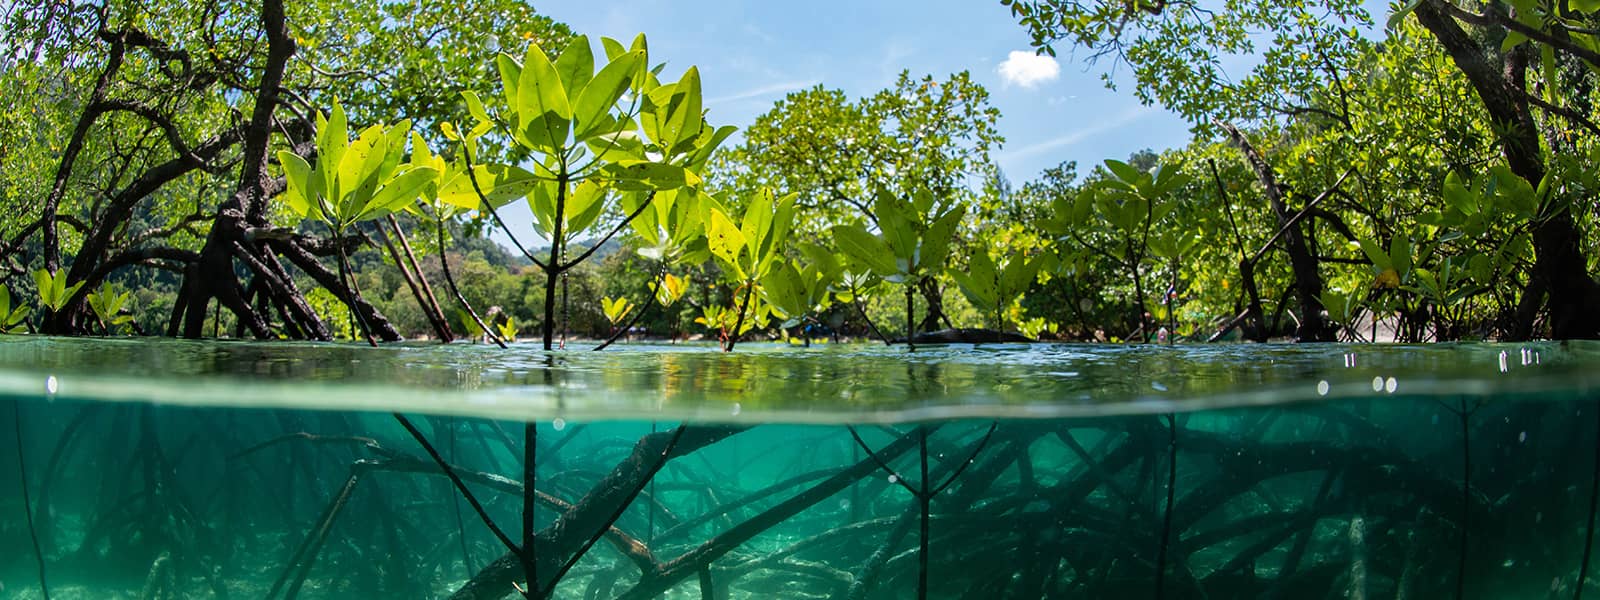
172 469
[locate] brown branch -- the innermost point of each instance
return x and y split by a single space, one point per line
307 262
1303 263
1494 15
1307 211
184 225
75 143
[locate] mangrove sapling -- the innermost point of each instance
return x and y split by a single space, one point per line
912 246
797 295
749 252
354 181
665 290
993 288
592 142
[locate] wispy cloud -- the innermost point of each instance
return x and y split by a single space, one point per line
762 91
1028 69
1120 119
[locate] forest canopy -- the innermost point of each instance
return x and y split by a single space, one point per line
310 171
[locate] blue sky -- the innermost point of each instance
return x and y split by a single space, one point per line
752 53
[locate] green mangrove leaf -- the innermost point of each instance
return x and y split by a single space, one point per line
934 246
643 175
399 192
584 205
980 282
684 118
865 248
542 102
475 106
1400 255
1019 274
575 65
602 94
297 173
785 291
501 185
1376 254
725 239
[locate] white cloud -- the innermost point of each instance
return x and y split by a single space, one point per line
1028 69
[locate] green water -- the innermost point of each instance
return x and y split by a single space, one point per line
170 469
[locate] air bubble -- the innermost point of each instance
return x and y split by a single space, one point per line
1322 388
559 424
51 385
1390 384
1377 384
736 409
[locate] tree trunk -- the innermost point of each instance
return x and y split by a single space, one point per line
1560 267
931 320
214 276
1303 262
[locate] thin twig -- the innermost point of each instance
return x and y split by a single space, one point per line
461 486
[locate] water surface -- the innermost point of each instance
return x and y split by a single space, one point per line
163 469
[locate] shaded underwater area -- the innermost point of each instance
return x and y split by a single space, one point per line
1387 496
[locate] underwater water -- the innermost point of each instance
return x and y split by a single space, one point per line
175 469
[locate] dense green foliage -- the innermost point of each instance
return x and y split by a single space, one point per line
1449 162
1433 180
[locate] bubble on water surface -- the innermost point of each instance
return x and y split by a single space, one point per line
558 424
1390 384
1377 384
1322 388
